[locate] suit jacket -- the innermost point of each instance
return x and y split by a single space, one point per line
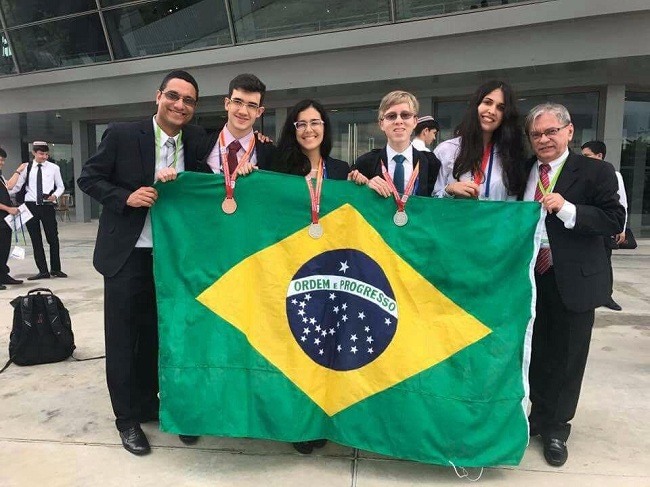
579 256
124 162
335 168
264 152
369 164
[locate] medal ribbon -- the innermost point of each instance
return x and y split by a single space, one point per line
231 178
551 184
486 163
314 194
158 140
401 202
22 227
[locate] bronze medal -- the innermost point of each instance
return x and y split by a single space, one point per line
400 218
315 230
229 206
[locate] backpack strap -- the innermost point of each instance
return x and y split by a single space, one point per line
26 307
52 312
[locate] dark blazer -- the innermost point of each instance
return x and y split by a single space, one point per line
264 152
124 162
579 257
369 164
334 168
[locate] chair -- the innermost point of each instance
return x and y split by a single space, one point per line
63 206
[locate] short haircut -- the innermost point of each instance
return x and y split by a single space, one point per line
3 153
40 146
596 147
430 124
180 74
560 112
395 98
249 83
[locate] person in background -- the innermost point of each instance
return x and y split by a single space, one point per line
6 208
425 133
597 150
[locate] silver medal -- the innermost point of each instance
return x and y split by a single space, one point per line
315 230
400 218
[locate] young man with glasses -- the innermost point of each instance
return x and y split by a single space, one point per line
407 168
580 201
120 176
236 143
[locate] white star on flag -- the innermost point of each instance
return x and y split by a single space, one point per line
354 338
307 297
362 315
353 350
332 296
344 266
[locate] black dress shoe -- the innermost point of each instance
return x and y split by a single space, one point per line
2 286
40 275
59 274
10 280
613 305
555 452
188 439
304 447
318 443
135 441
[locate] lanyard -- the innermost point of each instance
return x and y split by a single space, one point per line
225 169
486 163
158 141
401 202
314 193
551 184
22 227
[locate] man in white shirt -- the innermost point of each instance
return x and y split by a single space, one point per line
41 185
425 133
597 150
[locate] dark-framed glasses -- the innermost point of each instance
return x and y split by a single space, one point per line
174 97
242 104
552 132
313 124
392 116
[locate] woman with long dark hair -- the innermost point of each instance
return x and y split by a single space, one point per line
484 161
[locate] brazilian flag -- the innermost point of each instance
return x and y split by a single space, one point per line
407 341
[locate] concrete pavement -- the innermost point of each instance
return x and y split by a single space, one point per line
56 423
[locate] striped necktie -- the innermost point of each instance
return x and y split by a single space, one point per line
544 257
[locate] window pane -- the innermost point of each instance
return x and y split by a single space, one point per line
108 3
262 19
407 9
6 60
61 43
19 12
167 26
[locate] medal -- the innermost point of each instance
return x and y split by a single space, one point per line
229 206
400 218
315 230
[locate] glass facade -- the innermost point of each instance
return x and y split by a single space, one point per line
635 160
18 12
408 9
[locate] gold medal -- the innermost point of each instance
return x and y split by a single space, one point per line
229 206
315 230
400 218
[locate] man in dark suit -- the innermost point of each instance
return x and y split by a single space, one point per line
120 177
403 163
579 196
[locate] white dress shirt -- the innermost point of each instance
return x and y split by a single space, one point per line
420 145
568 211
622 195
162 151
51 180
408 162
215 162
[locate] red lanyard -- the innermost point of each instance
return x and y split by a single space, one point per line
314 193
401 202
230 179
478 177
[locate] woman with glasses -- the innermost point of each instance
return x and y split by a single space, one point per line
484 160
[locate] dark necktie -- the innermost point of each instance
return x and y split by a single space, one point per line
398 175
233 148
544 258
39 185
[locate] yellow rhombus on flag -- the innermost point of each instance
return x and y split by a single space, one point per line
252 297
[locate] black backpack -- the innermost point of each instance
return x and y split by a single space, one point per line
42 330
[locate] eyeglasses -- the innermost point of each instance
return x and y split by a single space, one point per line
552 132
313 124
392 116
242 104
174 97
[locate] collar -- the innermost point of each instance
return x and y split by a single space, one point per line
244 141
419 144
555 163
42 164
164 135
407 153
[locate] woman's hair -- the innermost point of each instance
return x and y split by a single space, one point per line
508 138
290 156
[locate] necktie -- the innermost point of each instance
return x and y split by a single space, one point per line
233 148
544 258
398 175
39 185
170 158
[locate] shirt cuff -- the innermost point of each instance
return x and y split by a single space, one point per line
568 215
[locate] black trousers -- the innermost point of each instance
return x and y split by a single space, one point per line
608 250
559 355
131 336
46 215
5 249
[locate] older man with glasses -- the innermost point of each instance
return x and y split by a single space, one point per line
581 207
120 176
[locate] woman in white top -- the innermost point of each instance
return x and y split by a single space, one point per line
485 160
